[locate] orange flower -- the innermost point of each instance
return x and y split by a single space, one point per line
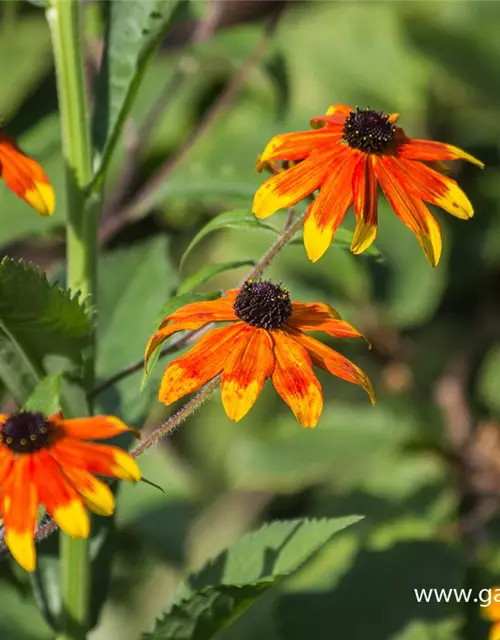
492 612
265 339
48 461
346 158
25 177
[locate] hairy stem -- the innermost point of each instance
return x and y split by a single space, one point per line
65 22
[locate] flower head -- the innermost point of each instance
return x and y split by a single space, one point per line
265 339
346 157
492 612
25 177
48 461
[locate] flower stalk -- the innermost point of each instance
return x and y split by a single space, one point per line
66 26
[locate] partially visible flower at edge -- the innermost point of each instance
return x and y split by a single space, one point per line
492 613
25 177
48 461
265 339
349 154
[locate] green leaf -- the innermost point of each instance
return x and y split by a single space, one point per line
47 325
134 283
236 219
169 307
489 379
46 396
134 29
214 597
208 272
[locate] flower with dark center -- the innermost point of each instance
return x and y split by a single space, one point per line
263 304
48 461
367 130
348 155
265 339
25 177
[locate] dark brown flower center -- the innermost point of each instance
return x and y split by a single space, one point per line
263 304
367 130
26 432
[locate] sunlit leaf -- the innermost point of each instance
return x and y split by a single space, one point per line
208 272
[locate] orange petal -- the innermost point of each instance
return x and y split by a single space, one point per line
189 318
410 210
335 363
296 146
495 632
365 204
245 371
102 459
19 506
294 184
335 328
95 428
328 210
60 498
492 611
200 364
6 461
312 311
295 380
96 494
427 151
431 186
25 177
335 116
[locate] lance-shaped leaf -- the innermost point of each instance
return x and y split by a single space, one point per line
133 31
211 599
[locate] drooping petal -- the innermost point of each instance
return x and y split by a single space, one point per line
25 177
200 364
6 462
245 371
96 494
189 318
431 186
427 151
95 428
60 498
102 459
328 210
294 184
364 186
220 310
495 632
295 380
335 363
297 146
409 209
331 326
335 116
19 506
312 311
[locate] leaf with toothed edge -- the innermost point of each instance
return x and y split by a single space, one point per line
49 325
226 587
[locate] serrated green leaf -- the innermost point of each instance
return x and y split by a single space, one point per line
210 271
48 327
236 219
46 396
218 594
134 30
169 307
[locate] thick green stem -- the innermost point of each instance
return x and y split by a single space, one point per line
66 26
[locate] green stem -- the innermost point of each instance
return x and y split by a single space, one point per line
66 26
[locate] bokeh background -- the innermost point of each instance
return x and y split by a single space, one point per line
423 466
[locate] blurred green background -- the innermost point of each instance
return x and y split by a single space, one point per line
423 466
